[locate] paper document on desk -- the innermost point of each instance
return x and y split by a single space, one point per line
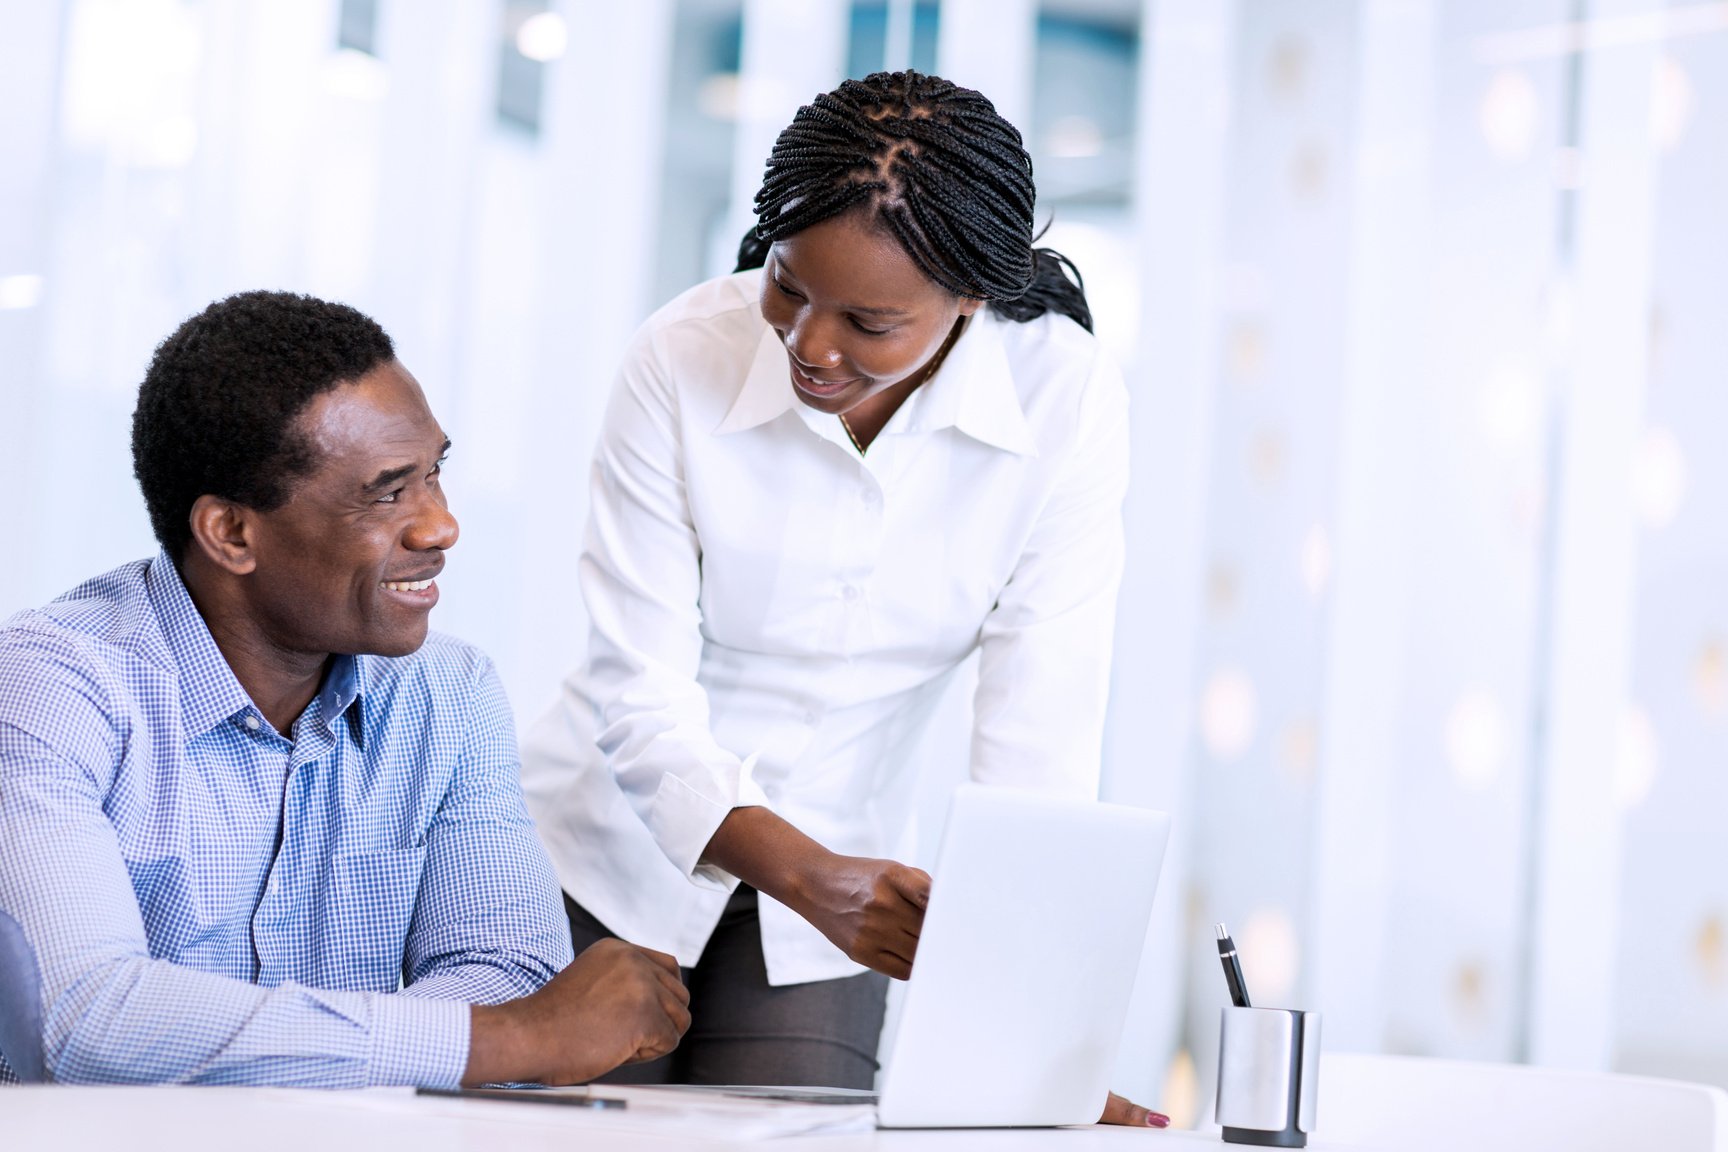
670 1112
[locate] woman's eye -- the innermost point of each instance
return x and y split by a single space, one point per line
870 331
785 291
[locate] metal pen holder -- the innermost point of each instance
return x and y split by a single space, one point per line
1268 1076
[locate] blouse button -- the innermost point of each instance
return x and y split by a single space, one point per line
849 592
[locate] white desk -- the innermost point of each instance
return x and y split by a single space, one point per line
383 1120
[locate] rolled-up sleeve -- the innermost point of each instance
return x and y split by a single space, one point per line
1045 648
641 580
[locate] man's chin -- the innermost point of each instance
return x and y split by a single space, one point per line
402 643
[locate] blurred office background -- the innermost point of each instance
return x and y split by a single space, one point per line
1423 638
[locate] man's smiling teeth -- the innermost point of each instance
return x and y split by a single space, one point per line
407 585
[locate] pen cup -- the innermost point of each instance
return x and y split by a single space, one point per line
1268 1076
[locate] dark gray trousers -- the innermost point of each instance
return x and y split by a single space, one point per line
743 1031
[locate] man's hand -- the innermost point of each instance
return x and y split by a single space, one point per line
1120 1111
873 910
616 1004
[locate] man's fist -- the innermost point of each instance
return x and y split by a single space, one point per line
616 1004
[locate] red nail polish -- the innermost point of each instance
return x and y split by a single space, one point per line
1157 1120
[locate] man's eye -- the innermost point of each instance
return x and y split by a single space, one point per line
390 497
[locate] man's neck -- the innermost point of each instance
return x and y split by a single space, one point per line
280 682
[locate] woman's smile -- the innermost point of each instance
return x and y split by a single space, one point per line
819 387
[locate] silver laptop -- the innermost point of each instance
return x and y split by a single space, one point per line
1038 912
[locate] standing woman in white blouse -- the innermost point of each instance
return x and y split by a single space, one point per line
889 440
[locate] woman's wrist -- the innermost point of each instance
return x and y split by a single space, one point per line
770 855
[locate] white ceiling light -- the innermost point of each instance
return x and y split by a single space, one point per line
1658 477
1475 739
1509 114
21 291
543 37
1228 714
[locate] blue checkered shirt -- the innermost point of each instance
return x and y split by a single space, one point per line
212 901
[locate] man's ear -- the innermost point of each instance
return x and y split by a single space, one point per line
224 531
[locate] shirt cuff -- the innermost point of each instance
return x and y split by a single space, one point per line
683 820
423 1043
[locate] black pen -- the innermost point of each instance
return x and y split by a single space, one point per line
526 1096
1232 969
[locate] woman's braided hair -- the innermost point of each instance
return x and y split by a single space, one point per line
939 168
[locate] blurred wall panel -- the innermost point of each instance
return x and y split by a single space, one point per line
989 45
1284 294
30 77
438 62
1389 184
1188 57
1473 469
1671 978
793 50
1589 603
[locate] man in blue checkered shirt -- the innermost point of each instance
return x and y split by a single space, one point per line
257 825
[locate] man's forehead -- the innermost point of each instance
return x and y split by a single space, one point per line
383 415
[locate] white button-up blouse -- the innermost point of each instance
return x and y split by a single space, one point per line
773 616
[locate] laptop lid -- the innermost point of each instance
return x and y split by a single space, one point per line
1038 911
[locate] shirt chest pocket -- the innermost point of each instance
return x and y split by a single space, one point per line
369 906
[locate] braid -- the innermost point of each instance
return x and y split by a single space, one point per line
940 169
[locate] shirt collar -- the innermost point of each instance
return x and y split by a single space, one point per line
767 390
973 391
209 692
344 683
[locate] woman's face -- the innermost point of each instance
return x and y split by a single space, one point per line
857 316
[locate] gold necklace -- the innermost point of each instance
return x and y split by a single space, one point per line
851 435
929 371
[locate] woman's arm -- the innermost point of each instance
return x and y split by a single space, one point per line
871 909
1044 662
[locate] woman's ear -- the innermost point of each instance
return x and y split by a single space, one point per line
969 305
223 530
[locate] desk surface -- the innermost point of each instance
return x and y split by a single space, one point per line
381 1120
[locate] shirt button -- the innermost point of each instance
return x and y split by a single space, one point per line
252 723
849 592
810 718
868 495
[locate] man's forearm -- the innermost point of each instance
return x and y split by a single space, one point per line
227 1031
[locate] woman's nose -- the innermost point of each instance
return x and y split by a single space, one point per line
809 342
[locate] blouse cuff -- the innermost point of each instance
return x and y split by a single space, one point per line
683 821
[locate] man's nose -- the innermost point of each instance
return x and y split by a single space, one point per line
435 527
